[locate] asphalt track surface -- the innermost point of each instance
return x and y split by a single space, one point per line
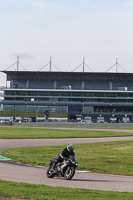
37 175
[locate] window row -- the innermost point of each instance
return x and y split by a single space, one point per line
72 93
35 108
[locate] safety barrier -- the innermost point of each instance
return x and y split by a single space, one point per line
6 122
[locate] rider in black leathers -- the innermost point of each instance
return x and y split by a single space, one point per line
65 154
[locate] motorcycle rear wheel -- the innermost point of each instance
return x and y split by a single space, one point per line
50 173
69 173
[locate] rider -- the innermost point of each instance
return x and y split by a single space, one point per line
65 154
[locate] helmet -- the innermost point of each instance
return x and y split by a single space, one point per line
70 147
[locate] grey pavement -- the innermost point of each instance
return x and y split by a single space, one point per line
36 175
11 143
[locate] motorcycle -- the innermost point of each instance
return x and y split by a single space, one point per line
64 169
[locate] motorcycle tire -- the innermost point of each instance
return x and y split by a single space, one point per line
49 173
69 173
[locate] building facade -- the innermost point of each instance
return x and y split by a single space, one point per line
80 94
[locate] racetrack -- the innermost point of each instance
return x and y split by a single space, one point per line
32 174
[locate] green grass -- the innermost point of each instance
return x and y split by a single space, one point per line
109 157
38 132
42 192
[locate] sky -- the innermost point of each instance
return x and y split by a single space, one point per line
100 31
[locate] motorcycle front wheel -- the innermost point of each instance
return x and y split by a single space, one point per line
50 173
69 173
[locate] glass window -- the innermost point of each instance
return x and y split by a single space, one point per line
121 100
55 93
64 99
42 108
87 109
111 94
66 93
130 94
89 100
10 92
130 100
31 93
8 107
20 98
19 107
88 94
122 94
21 93
99 94
1 107
30 108
53 99
63 109
10 98
77 94
41 99
44 93
54 108
76 99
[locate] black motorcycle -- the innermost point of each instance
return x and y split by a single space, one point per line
64 169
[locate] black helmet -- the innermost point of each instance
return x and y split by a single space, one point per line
70 147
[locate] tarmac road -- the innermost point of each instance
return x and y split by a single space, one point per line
12 143
36 175
32 174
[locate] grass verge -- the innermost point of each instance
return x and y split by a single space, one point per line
42 192
31 114
38 132
109 157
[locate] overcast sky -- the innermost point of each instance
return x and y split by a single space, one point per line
67 30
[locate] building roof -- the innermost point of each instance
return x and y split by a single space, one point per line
11 75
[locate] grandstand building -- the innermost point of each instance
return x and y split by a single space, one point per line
105 96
